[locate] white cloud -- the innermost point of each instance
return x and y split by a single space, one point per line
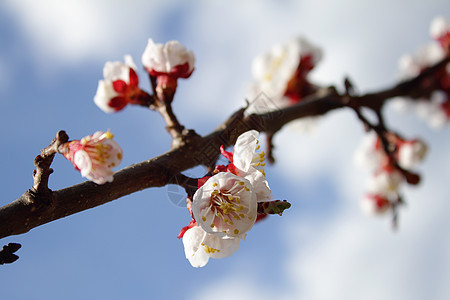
67 32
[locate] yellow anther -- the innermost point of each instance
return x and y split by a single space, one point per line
262 164
214 184
241 215
240 207
230 197
119 156
227 208
257 164
257 147
241 183
109 135
246 188
214 193
236 231
204 219
209 250
238 201
257 142
212 225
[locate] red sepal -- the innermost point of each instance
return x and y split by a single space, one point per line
118 103
185 228
228 155
119 86
134 79
201 181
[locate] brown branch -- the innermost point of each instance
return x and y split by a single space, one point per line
22 215
43 162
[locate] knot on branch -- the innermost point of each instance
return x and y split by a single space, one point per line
43 170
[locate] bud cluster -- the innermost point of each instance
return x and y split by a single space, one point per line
390 170
434 107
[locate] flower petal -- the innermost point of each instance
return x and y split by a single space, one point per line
244 150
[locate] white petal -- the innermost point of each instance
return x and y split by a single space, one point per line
129 62
226 247
105 92
384 183
244 150
439 27
411 154
260 185
83 162
367 155
192 240
116 70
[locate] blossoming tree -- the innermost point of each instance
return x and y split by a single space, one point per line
229 199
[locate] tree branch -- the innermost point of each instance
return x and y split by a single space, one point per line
22 214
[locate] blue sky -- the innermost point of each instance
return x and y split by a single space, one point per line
51 58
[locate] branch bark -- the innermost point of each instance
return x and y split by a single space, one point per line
28 211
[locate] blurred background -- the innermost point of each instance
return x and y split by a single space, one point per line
51 58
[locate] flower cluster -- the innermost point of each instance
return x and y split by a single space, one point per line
282 73
390 171
94 156
225 206
434 107
164 63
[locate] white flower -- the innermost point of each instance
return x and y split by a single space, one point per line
369 154
440 27
105 93
385 182
273 70
225 205
94 156
119 86
410 65
199 246
432 111
374 204
411 153
172 58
